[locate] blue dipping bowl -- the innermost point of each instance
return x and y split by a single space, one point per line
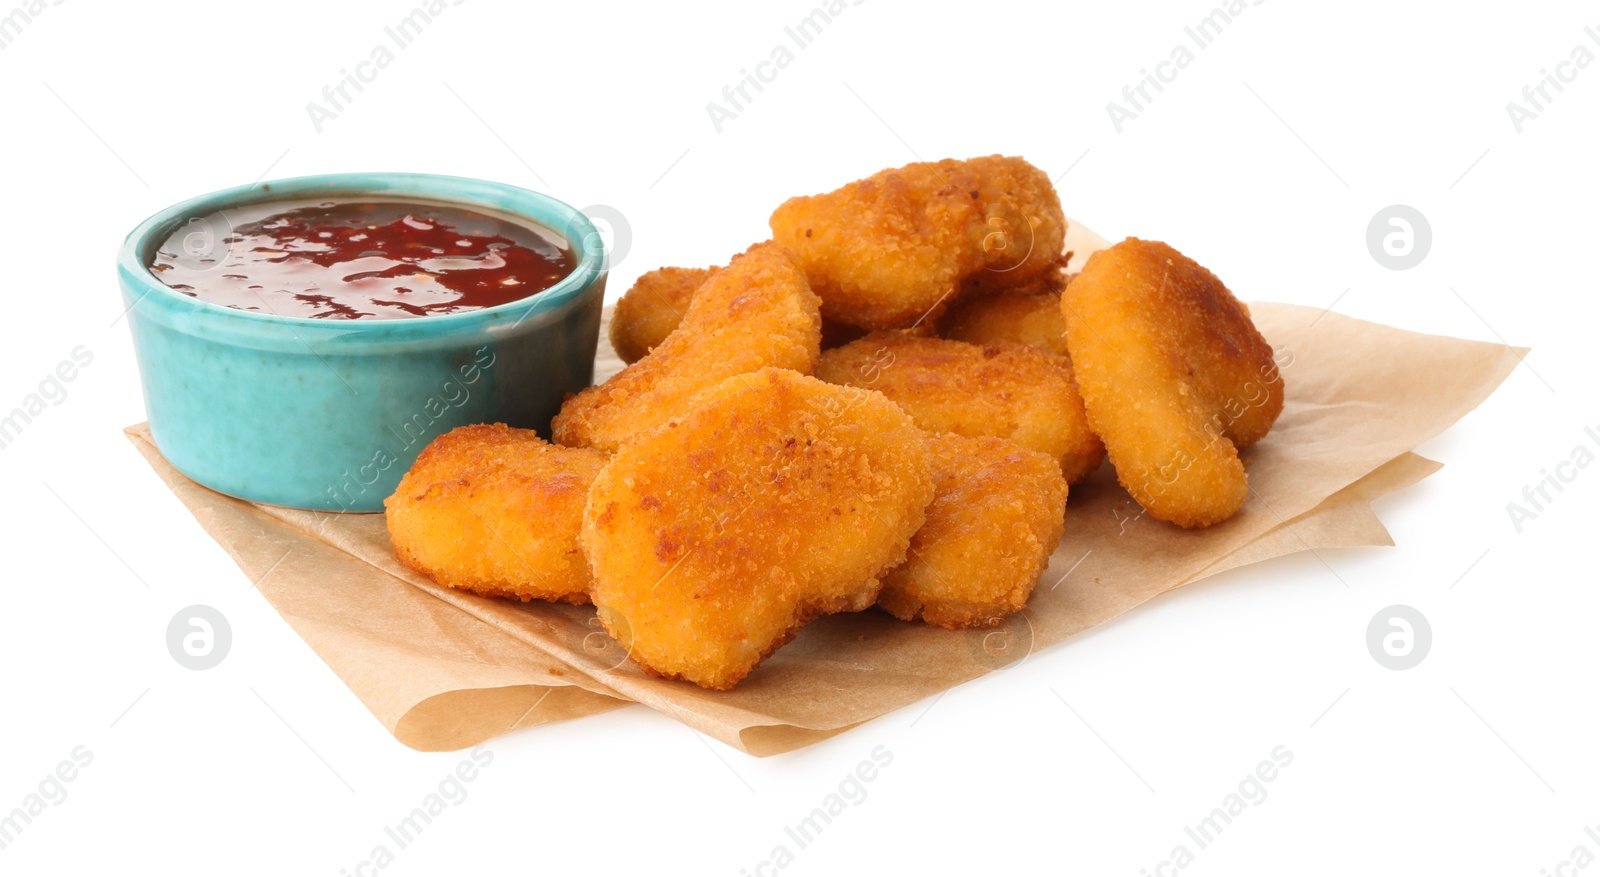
324 414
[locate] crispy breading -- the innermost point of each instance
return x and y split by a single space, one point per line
996 516
1028 315
776 498
651 308
1175 376
496 511
657 301
757 312
1023 229
890 251
1008 391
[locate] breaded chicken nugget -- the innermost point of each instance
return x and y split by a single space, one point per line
1175 377
1008 391
757 312
1030 315
775 499
986 283
1023 228
496 511
889 251
657 301
997 514
651 308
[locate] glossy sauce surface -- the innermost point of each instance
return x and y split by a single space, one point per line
360 259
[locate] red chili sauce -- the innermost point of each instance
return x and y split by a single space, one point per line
367 259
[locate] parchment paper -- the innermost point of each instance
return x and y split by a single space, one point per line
445 670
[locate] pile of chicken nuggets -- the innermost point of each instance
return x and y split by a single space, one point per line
884 405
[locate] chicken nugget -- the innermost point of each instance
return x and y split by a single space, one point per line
757 312
889 251
775 499
1175 377
1030 315
997 514
1008 391
1023 229
496 511
988 283
651 308
657 301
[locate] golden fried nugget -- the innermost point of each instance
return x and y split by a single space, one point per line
757 312
986 283
775 499
997 514
1031 316
1175 377
1023 229
889 251
651 308
496 511
1008 391
657 301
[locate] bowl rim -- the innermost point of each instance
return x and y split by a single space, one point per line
576 229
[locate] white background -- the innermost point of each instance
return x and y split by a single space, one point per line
1265 160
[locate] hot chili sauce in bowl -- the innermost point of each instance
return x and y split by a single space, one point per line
367 259
273 326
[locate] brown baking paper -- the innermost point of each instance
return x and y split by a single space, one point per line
443 669
436 677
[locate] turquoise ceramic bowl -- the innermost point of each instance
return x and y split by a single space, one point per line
328 415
